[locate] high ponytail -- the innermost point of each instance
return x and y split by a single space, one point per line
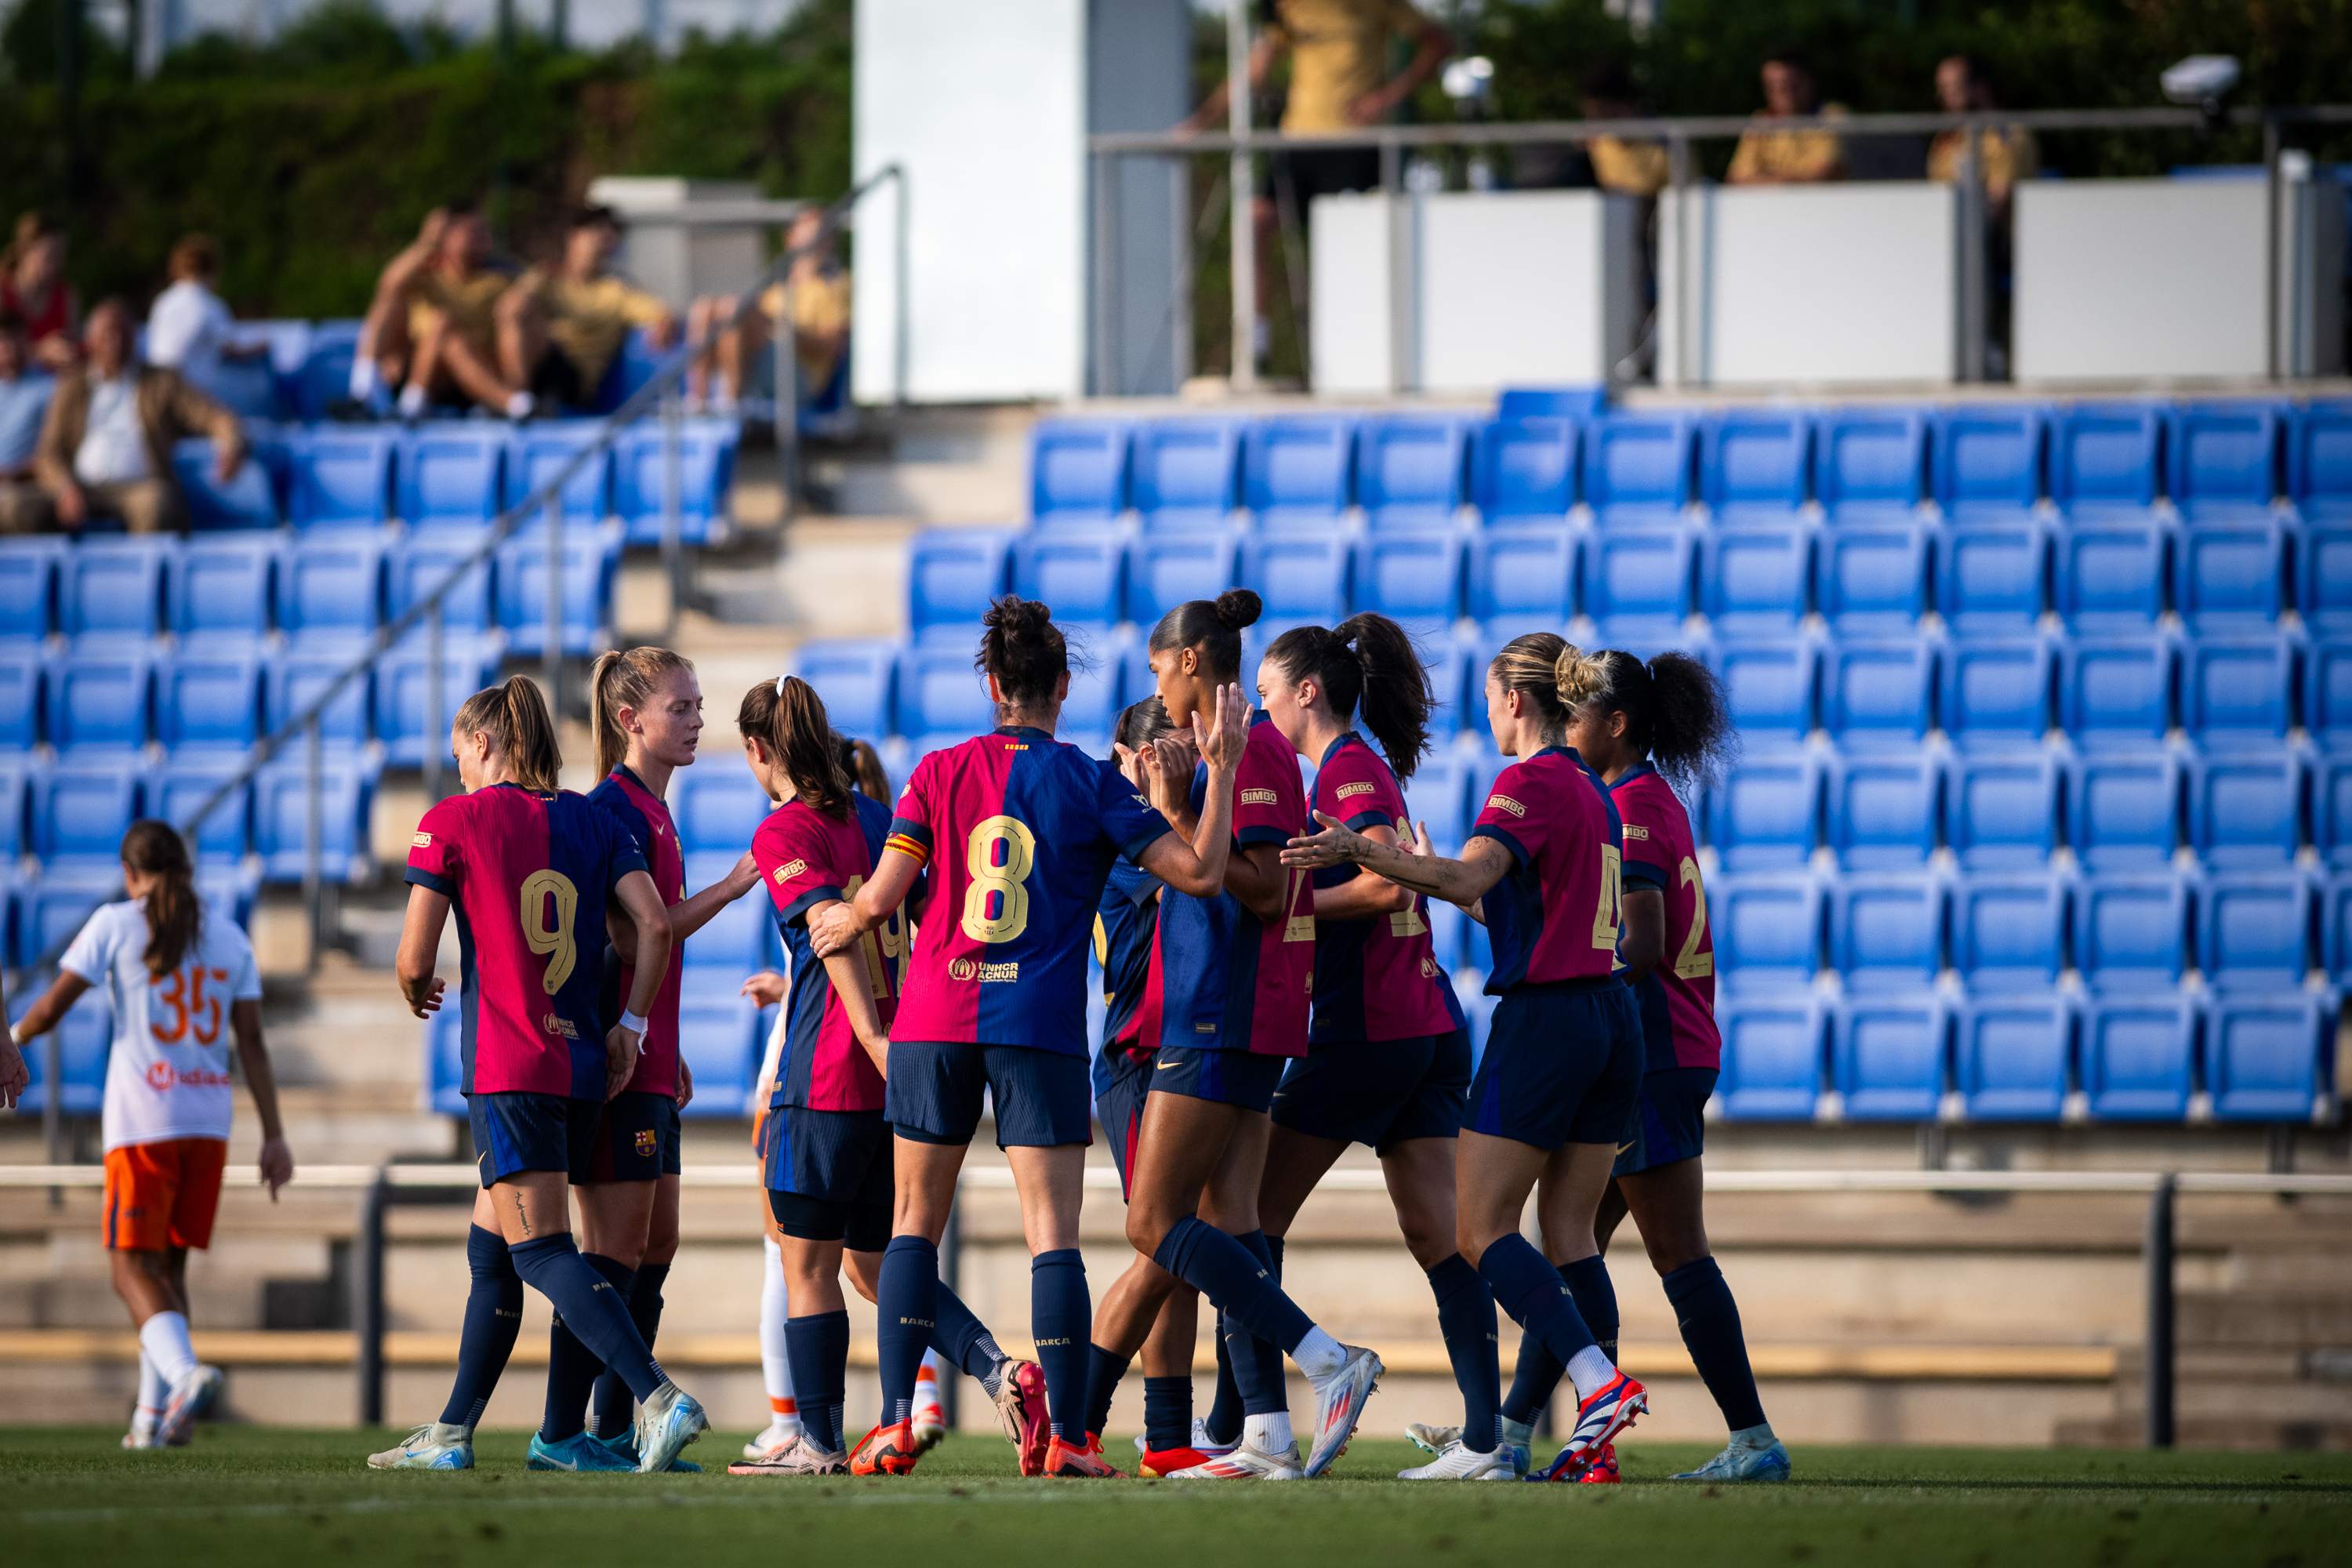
624 680
1533 665
1212 625
515 717
788 717
1675 713
1021 646
173 915
863 764
1367 664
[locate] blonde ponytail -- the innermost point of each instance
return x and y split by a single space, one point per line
623 679
1578 676
515 717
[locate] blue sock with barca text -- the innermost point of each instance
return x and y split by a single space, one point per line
614 1410
571 1368
1709 1319
1061 1316
493 1319
906 1300
591 1309
1466 1318
818 1350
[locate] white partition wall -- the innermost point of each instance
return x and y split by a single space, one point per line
1854 284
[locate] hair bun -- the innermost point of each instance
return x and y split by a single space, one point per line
1017 616
1238 607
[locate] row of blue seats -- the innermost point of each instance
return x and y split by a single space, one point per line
722 1039
2214 460
2024 1057
1747 577
223 590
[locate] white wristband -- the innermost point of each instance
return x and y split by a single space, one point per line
633 1022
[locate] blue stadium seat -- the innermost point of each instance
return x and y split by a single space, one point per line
21 674
1188 473
939 694
208 700
179 787
2139 1057
83 1041
28 588
13 826
2231 576
1077 470
952 575
1079 570
2010 1056
1767 930
592 560
80 808
719 1041
705 479
1765 815
2131 932
1411 469
2116 692
281 807
2104 459
1772 1052
247 388
2319 460
2009 930
402 716
1757 578
2238 689
1768 687
541 450
1165 567
1439 795
2001 810
293 679
1522 575
2123 809
2331 807
2335 928
716 810
737 941
1882 809
1412 575
1584 402
332 587
2266 1058
450 472
1988 462
1992 577
1637 582
1523 469
856 681
1301 577
2327 692
219 589
638 363
324 379
1887 1057
1099 689
1756 464
244 499
1295 470
1871 579
2254 931
1876 695
1886 931
109 590
1638 466
1995 694
2245 806
1870 465
341 477
444 1062
422 561
97 700
2222 459
2111 576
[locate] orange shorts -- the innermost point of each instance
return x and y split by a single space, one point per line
163 1194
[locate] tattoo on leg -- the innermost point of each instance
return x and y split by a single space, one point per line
522 1214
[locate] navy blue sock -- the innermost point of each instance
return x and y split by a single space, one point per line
592 1308
1466 1317
1709 1319
1235 1280
493 1319
965 1341
1258 1371
614 1410
1596 1298
1533 1380
1531 1290
1104 1369
907 1294
1168 1413
1061 1316
1224 1421
571 1368
817 1349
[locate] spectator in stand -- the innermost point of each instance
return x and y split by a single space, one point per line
1629 168
106 445
1770 157
431 329
560 327
189 329
815 291
34 289
2007 154
1339 81
25 391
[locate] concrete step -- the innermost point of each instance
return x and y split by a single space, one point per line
2270 1320
933 464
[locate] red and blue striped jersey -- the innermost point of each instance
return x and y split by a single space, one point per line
1677 997
1019 831
1221 978
528 875
646 818
806 859
1126 918
1554 915
1375 979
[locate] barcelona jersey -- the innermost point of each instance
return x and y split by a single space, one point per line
1375 979
1554 915
1677 997
806 859
1125 919
528 875
643 816
1019 832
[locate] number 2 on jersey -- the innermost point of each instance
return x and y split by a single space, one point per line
1691 963
996 904
550 939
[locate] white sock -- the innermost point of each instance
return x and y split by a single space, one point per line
1520 1432
154 1393
1268 1434
520 404
164 1339
363 379
1591 1369
1319 1356
775 1366
411 401
1756 1436
926 1387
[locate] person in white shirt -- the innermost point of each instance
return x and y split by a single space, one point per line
16 1078
189 327
181 984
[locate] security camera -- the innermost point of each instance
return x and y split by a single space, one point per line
2203 81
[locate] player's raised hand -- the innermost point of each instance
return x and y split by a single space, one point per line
1336 845
622 1048
832 929
1168 776
1228 734
277 1165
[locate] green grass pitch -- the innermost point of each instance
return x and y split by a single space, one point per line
253 1495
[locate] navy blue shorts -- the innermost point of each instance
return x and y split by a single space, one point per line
828 1174
1563 1065
515 1133
1227 1078
1119 1106
636 1139
1043 1098
1381 1092
1669 1120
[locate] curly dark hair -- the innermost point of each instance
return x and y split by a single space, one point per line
1675 712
